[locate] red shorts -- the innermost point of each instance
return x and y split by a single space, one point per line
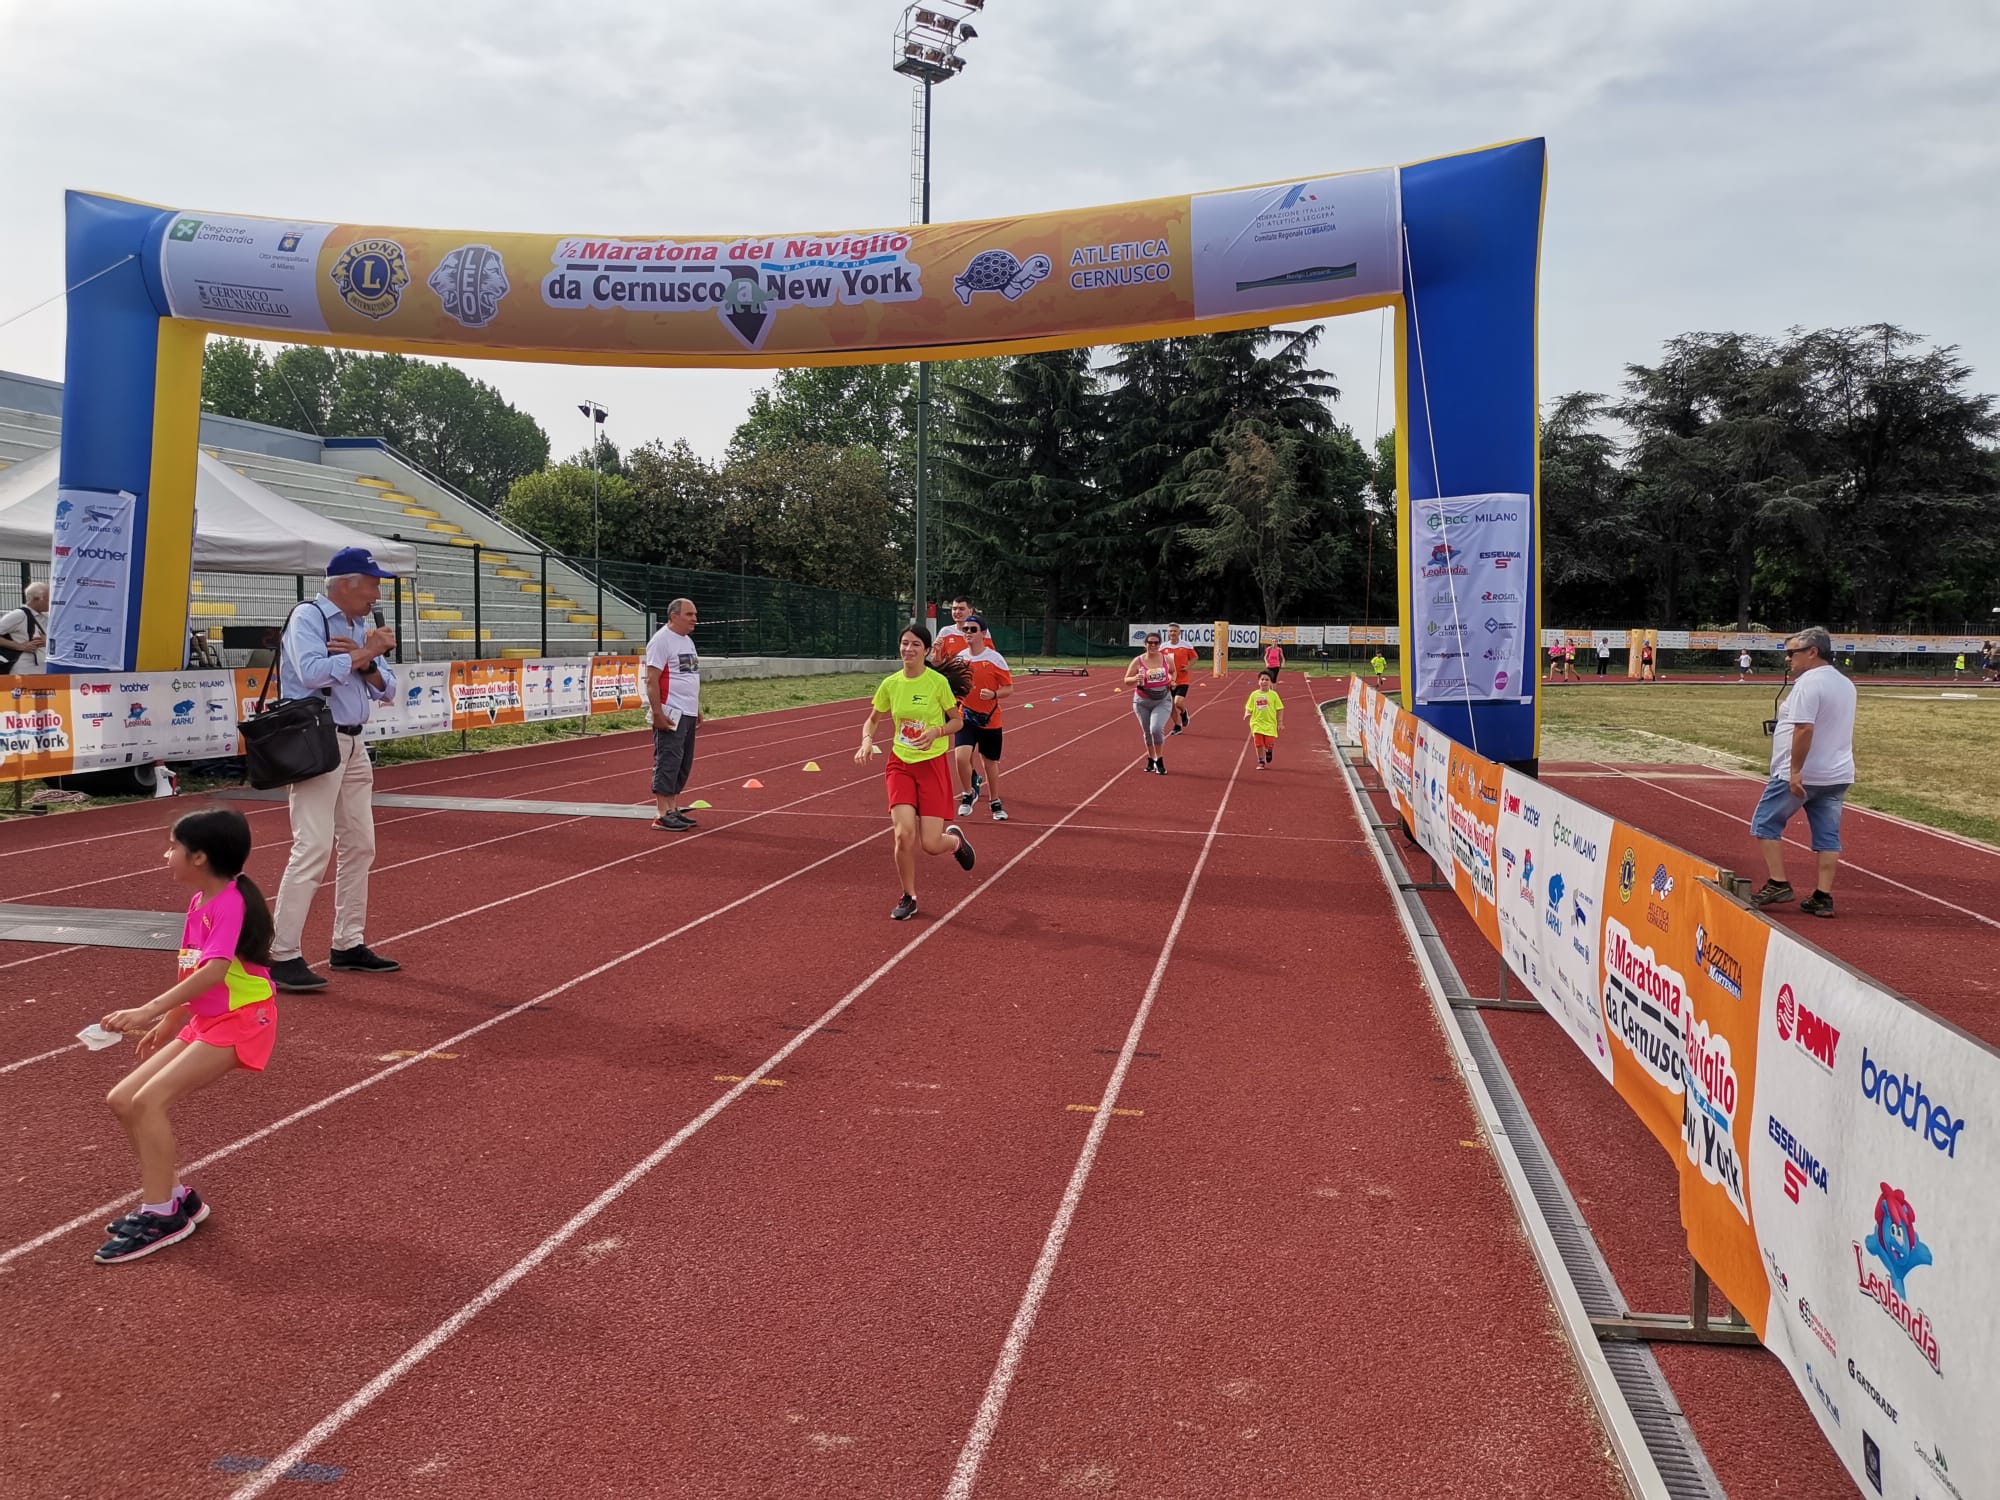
1265 741
252 1031
924 785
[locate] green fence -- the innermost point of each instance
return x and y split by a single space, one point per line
747 616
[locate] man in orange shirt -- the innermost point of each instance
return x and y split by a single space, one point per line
1182 656
991 683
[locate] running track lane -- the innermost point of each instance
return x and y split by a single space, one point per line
1944 956
439 1178
815 1227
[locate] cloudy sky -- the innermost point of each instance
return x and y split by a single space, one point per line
1712 165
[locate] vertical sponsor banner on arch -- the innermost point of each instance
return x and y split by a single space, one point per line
1874 1167
1647 953
1470 630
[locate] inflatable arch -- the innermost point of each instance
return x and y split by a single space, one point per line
1452 244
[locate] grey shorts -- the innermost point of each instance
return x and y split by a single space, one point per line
673 757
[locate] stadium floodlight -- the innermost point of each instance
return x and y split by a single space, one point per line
595 414
926 49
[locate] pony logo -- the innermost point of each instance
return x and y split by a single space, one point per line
470 281
370 276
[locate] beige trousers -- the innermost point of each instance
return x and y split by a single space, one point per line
331 812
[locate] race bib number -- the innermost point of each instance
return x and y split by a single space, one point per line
911 732
190 960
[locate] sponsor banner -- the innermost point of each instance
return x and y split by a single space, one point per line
1469 594
37 727
484 693
615 684
1286 249
1310 635
1554 852
196 715
1336 635
91 578
1647 953
1872 1169
1402 747
1431 791
1373 635
1191 635
1474 812
422 705
554 688
1277 635
1723 944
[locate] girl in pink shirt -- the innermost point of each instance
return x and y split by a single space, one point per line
221 1014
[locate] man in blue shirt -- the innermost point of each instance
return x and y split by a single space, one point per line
330 649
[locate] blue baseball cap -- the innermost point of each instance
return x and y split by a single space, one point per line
352 560
972 620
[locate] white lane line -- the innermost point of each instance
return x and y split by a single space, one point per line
40 1057
987 1421
429 1344
1845 862
374 1078
1959 839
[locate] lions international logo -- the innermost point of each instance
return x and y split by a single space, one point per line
1628 869
470 281
371 275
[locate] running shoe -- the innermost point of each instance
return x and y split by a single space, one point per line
1175 730
1818 904
1260 765
1771 893
999 813
362 959
965 803
905 909
963 853
674 822
190 1204
142 1234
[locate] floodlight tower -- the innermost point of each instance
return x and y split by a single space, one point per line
926 48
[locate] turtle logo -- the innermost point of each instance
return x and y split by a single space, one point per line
998 271
370 276
470 281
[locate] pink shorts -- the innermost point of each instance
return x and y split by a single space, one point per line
924 785
252 1031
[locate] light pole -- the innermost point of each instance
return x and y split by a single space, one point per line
596 414
926 49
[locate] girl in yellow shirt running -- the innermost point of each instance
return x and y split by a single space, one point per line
922 702
1266 712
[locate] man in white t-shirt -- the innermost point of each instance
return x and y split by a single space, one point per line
24 633
673 698
1812 766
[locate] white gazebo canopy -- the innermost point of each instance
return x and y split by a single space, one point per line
239 526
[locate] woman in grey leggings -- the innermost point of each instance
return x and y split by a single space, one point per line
1151 678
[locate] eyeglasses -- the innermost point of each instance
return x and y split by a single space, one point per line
1797 650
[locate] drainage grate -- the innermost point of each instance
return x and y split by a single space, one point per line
91 927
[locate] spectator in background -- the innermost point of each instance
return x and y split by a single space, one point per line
1989 661
673 700
1274 660
1646 662
1812 766
1603 656
335 811
1743 666
24 633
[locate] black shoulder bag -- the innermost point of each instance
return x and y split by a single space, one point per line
293 739
11 654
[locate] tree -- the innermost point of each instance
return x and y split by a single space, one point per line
553 507
1266 514
677 508
298 389
1026 504
815 514
231 375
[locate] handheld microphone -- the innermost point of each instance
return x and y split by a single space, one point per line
378 619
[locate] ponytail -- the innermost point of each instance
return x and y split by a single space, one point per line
958 673
253 943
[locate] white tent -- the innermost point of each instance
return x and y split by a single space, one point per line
239 526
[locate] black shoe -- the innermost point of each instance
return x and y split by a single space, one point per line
963 854
965 804
999 813
905 909
361 959
1175 730
1818 904
190 1204
143 1233
293 977
1772 892
1160 766
674 822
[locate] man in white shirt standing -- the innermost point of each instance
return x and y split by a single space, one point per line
673 696
24 633
1812 766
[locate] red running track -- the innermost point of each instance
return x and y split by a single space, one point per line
1135 1165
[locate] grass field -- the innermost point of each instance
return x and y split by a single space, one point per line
1920 755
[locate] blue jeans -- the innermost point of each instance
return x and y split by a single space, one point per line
1822 804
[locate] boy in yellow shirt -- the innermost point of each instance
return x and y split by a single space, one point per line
1266 712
